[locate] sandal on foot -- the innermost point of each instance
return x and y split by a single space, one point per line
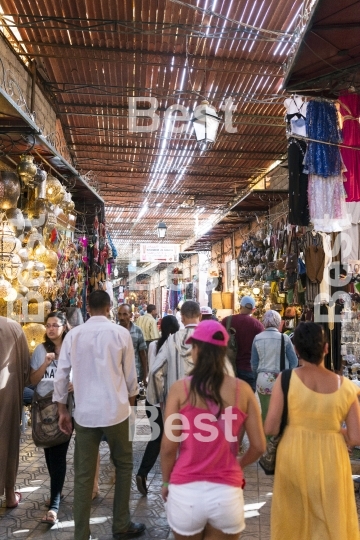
18 499
50 517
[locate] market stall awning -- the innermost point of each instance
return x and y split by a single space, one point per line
327 59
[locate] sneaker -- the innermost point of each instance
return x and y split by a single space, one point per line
141 484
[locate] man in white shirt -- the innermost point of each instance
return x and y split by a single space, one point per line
101 357
173 361
148 325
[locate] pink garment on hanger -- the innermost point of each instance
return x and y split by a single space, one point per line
350 110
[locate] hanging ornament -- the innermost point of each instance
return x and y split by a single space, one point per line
15 220
11 295
27 169
12 267
28 225
23 254
8 242
34 333
20 289
54 190
4 287
9 190
40 176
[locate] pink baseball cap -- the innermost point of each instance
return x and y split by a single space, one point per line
205 332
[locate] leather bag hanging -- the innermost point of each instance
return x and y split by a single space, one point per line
44 421
268 460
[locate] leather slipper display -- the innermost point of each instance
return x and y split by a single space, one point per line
18 499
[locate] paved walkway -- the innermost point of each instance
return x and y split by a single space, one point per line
33 483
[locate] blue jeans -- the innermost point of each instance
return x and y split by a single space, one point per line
247 376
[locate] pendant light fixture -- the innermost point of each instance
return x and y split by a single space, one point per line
206 123
161 229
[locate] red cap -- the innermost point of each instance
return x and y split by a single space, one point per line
205 332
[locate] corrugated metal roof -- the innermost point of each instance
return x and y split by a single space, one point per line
96 54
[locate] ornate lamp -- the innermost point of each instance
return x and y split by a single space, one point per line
27 169
161 230
206 123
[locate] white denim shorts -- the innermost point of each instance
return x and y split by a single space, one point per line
190 507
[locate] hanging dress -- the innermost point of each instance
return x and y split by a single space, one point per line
350 110
314 265
326 192
298 180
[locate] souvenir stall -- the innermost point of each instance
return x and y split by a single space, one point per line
42 266
305 263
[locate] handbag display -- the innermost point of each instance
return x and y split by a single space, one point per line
268 460
290 312
44 421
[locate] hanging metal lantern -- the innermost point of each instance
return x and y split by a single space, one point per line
50 259
54 190
12 267
21 289
206 123
27 169
11 295
4 287
28 224
9 190
40 177
8 241
34 334
67 204
16 220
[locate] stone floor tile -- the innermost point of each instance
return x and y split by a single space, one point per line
33 482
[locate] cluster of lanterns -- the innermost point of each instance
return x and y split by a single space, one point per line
28 257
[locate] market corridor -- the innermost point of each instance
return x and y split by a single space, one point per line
33 483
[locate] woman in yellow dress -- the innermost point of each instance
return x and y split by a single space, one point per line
313 495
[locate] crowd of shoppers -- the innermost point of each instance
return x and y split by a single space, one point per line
200 411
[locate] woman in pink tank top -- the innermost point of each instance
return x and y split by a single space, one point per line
206 414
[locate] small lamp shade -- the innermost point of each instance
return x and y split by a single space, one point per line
206 123
161 230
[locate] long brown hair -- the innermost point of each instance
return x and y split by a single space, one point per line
207 375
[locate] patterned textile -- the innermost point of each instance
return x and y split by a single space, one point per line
327 205
350 109
322 125
139 345
265 382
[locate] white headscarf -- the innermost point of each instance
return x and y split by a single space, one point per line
271 319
